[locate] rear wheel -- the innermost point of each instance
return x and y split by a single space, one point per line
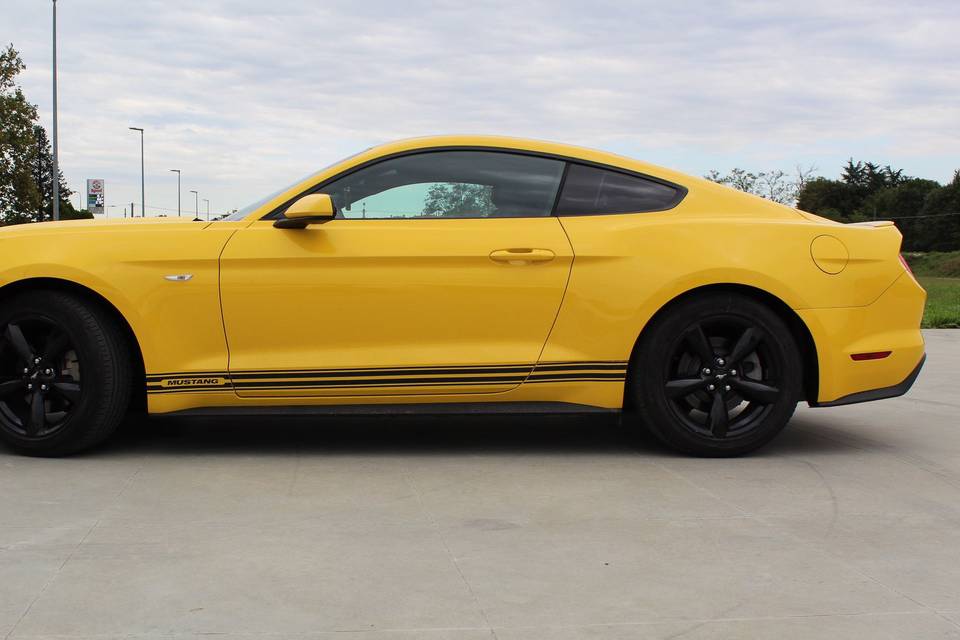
65 374
716 375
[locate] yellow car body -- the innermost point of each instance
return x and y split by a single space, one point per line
239 314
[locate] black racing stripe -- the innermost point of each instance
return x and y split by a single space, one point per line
194 390
492 368
380 373
562 376
379 382
360 370
299 388
554 363
485 374
329 383
590 379
582 367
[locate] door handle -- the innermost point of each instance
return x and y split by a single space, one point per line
522 256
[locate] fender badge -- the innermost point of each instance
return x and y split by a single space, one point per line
179 277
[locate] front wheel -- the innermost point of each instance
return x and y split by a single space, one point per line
716 375
65 373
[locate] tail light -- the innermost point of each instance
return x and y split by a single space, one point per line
905 264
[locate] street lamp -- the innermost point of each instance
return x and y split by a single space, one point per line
177 171
208 209
56 154
196 204
143 205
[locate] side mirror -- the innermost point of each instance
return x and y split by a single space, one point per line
315 208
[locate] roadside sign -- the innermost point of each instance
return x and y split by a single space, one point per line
95 196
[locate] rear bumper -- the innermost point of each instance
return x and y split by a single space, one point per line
877 394
891 323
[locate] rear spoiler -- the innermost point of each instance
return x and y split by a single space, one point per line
872 223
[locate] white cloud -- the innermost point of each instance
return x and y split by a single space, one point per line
243 96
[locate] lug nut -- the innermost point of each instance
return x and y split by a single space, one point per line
706 372
36 361
29 387
733 372
721 361
710 387
26 371
43 387
48 372
726 387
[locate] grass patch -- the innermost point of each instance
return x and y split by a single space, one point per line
939 264
943 302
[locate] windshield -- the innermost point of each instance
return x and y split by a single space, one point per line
240 214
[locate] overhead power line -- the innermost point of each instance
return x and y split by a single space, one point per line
929 215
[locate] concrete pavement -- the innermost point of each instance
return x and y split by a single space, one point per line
847 526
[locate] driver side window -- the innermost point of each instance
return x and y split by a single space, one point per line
449 184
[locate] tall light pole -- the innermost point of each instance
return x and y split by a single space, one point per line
56 154
143 201
196 204
177 171
208 209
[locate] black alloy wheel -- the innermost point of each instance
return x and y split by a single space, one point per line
723 379
717 375
65 373
40 376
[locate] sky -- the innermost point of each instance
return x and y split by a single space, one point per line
244 97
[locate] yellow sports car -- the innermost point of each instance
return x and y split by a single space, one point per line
459 273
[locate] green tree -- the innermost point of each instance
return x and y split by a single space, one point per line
940 227
832 199
19 196
846 199
43 176
903 203
455 199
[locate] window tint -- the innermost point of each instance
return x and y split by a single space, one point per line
449 184
589 190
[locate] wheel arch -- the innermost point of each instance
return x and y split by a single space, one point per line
138 399
798 328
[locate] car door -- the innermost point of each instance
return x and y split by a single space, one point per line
442 273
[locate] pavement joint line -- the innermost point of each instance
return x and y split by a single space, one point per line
882 449
834 505
49 581
52 578
810 545
443 540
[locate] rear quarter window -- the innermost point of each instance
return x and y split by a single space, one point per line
596 191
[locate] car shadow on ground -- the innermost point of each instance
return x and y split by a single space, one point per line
448 435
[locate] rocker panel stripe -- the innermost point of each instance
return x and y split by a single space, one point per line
385 377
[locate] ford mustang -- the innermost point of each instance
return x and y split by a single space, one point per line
459 274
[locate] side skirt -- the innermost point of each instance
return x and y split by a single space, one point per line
411 409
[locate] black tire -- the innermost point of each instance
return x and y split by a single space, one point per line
78 392
731 405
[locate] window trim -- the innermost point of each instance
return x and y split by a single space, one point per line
277 212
